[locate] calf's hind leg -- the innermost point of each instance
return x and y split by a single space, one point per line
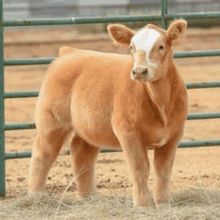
46 148
84 157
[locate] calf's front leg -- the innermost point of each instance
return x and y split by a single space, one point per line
138 163
163 163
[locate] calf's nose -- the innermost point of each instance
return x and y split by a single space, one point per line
140 71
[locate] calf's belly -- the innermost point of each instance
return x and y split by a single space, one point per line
93 125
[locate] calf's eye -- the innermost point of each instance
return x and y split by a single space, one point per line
161 47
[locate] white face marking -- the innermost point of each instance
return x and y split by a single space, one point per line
145 39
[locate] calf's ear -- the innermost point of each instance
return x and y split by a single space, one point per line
176 31
120 34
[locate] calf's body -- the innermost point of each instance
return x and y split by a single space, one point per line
94 97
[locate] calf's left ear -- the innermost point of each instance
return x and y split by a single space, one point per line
176 31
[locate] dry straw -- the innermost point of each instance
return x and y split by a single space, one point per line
191 204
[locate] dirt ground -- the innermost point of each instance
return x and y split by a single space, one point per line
193 166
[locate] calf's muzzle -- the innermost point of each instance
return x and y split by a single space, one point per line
139 73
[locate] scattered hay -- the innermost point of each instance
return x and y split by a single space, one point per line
190 204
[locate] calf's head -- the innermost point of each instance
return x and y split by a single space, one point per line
150 48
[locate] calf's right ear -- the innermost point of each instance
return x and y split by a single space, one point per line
120 34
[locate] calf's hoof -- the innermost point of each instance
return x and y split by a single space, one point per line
142 203
161 202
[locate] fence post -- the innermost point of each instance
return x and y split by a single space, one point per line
2 107
164 11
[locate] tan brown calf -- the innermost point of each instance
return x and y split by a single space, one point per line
134 102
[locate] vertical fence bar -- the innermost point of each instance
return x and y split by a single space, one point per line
164 11
2 107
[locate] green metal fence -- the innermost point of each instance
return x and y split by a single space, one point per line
164 18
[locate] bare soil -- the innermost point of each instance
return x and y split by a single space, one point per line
193 166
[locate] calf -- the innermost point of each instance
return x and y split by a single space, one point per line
133 102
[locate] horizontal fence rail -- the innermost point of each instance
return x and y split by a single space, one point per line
21 94
31 94
184 144
164 18
203 85
192 116
92 20
37 61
